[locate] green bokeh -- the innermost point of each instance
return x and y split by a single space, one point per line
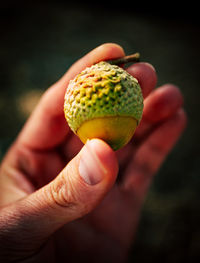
39 43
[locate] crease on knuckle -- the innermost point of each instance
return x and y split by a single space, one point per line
62 193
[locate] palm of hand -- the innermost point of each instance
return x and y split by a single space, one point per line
105 229
109 228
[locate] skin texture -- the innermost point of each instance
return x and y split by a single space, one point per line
62 203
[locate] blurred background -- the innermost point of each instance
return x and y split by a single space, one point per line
39 40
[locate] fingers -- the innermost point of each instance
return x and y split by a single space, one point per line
76 191
161 103
47 126
158 106
146 76
152 153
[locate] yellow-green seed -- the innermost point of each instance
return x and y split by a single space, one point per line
101 96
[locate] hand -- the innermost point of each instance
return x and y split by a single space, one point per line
51 211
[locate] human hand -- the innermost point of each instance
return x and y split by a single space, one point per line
51 211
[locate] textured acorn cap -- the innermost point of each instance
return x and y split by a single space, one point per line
100 91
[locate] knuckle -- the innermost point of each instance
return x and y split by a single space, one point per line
69 192
62 193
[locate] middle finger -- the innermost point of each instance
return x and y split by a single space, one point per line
158 106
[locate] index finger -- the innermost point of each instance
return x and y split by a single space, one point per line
47 127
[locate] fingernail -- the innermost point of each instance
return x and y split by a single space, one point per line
91 168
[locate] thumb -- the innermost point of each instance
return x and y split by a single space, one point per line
73 193
82 183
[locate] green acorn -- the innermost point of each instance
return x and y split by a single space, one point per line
104 101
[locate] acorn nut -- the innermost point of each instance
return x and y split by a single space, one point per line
104 101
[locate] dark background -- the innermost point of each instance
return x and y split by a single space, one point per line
39 41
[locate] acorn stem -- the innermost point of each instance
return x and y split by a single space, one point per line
130 58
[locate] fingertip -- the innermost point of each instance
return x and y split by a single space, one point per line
173 92
98 164
148 65
182 118
105 51
111 47
162 103
146 75
105 154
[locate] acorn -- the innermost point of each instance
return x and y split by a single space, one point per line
104 101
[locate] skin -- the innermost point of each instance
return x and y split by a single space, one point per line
49 213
